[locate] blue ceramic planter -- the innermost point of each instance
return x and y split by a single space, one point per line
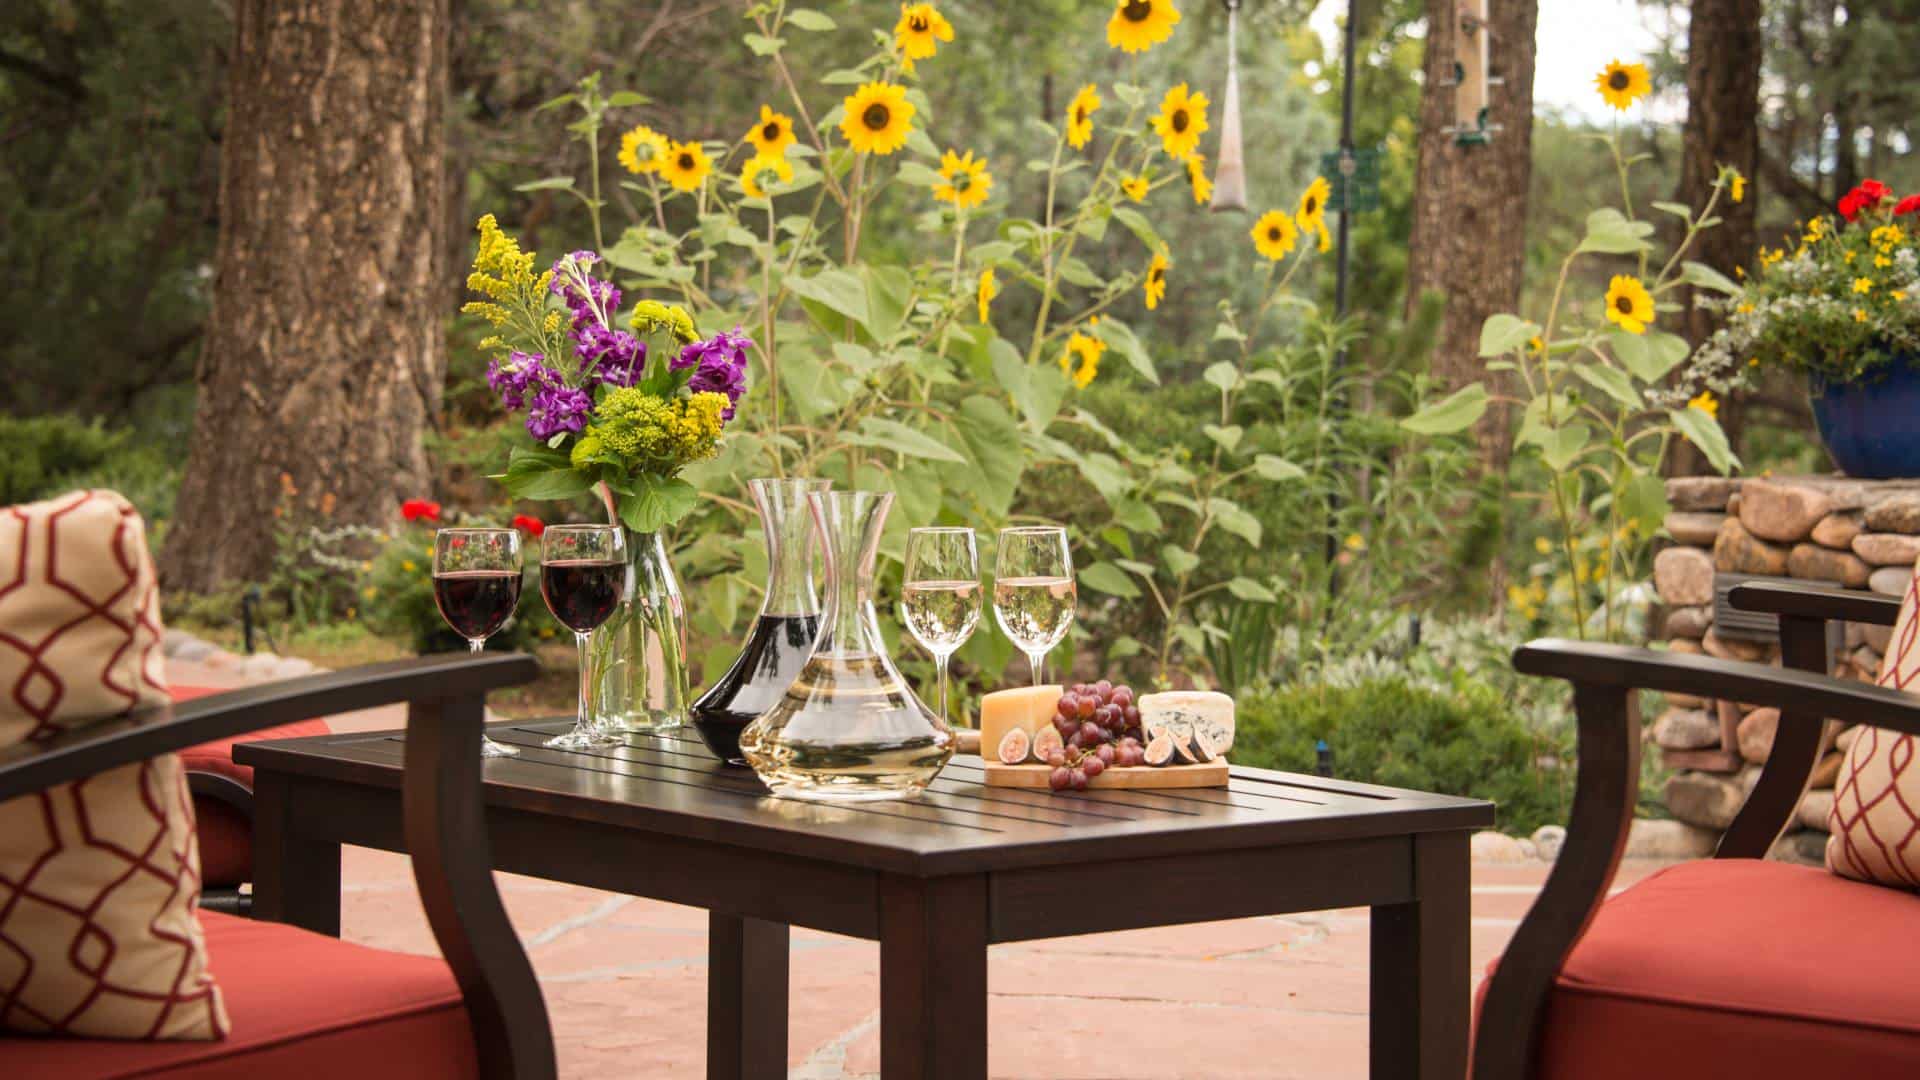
1872 427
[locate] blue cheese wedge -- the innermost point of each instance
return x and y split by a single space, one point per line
1183 712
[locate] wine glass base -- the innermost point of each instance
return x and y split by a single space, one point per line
491 749
584 740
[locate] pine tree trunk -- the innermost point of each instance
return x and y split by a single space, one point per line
325 350
1470 202
1724 50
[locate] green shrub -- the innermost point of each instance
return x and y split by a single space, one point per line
1466 740
44 456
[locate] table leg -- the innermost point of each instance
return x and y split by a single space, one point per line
1421 986
933 978
746 998
296 878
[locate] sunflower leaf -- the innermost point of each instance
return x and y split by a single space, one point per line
762 45
809 19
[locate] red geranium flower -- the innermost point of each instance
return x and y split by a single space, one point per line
420 510
1851 204
1906 206
1873 191
529 524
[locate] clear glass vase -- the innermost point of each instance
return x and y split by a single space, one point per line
782 636
637 659
849 727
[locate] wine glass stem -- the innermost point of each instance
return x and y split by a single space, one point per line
476 644
940 663
586 675
1036 661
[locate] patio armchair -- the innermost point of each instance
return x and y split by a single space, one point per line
303 1004
1733 966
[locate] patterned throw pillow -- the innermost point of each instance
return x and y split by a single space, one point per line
99 879
1874 825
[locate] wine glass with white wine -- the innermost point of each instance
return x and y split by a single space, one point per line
940 598
1033 590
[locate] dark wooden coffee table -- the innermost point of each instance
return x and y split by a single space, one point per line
934 881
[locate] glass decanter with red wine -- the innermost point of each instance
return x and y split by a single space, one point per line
783 633
476 583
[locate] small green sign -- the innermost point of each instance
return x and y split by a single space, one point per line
1355 176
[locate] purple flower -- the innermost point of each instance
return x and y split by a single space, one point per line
614 357
556 409
720 364
518 376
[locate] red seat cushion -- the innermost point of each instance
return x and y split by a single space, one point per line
302 1004
1737 967
226 838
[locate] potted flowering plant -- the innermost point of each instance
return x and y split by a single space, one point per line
1840 302
616 407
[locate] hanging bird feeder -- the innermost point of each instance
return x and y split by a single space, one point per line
1470 75
1230 175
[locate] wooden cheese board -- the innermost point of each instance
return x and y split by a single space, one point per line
1209 774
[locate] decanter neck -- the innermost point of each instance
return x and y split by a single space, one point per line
850 524
786 520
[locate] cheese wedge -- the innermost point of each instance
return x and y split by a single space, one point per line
1028 708
1187 711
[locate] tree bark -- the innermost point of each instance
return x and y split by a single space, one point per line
1724 50
1470 202
325 350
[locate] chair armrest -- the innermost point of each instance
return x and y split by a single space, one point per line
1815 602
137 736
1604 679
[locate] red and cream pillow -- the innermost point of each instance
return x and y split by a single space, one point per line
99 879
1874 826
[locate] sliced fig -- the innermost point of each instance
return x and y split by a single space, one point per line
1203 746
1047 742
1183 751
1159 750
1014 747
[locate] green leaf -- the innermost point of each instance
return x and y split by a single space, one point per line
1610 381
835 289
1224 375
844 77
1119 337
1679 210
1272 467
985 486
1706 277
1249 589
919 174
1235 520
1609 232
896 436
1703 431
541 474
657 502
1137 224
624 99
1227 437
1560 447
1649 356
888 290
1075 271
809 19
1179 560
1137 516
1037 391
1105 473
1643 503
1110 579
1122 541
1454 413
1503 333
549 183
762 45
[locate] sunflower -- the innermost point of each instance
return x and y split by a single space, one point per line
1275 235
920 26
1139 25
1182 120
685 166
878 118
642 150
989 288
1706 403
1629 304
764 171
1080 115
967 180
1312 214
1197 176
1155 285
1738 188
1087 350
1623 84
1136 187
772 135
1326 238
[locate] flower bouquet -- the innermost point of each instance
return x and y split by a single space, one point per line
1840 301
618 411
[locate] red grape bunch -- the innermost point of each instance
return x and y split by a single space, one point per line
1096 726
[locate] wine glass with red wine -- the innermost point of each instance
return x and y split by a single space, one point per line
583 575
476 582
